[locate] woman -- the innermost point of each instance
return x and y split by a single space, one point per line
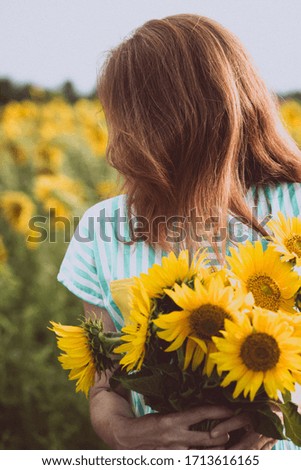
194 131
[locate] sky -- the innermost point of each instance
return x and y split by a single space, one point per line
47 42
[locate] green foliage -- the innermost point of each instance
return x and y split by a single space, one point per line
266 422
292 421
10 90
39 408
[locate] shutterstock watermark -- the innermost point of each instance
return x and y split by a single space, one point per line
109 227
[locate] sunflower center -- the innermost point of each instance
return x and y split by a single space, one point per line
260 352
293 244
207 321
16 210
265 291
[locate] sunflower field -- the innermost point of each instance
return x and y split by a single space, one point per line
52 168
52 157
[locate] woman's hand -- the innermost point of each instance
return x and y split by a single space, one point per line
156 431
250 439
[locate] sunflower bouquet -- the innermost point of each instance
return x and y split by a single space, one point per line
196 335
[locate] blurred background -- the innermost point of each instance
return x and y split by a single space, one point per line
52 143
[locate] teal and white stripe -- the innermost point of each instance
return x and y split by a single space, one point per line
89 266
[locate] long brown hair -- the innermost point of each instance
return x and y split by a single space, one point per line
191 125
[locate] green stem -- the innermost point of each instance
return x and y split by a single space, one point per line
109 341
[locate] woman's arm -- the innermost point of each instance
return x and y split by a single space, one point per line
115 424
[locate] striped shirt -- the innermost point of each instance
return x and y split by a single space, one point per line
96 254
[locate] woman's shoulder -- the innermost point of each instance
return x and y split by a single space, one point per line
106 222
105 214
104 217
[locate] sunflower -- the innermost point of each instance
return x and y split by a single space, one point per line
59 186
58 211
261 350
58 193
18 209
137 328
221 272
3 251
47 158
33 239
272 282
204 310
287 237
174 270
107 189
78 357
295 322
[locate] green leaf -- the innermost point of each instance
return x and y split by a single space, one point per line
287 396
166 370
181 357
266 422
148 385
292 421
